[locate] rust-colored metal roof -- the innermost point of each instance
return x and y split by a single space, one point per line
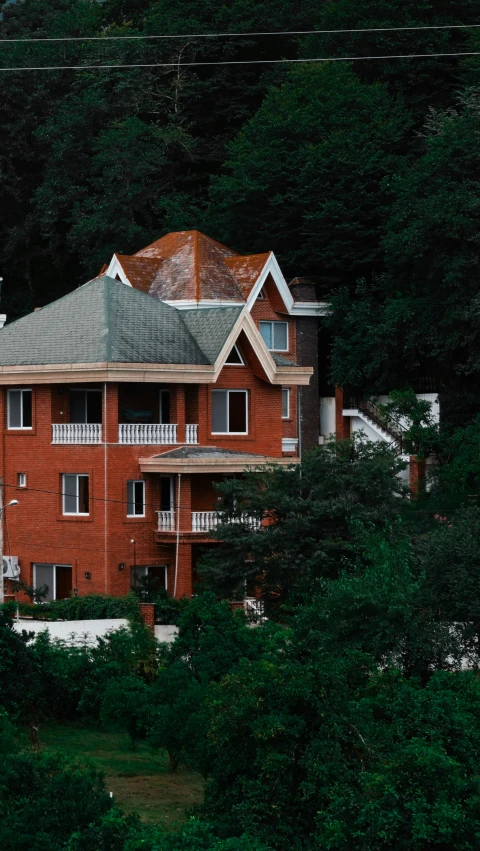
187 265
247 269
140 271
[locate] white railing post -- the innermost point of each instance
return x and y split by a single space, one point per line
75 433
166 521
147 434
191 433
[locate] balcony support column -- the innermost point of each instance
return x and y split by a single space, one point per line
110 427
180 413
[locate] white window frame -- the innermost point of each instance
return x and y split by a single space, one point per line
287 391
21 480
54 571
261 294
20 390
77 496
273 322
136 482
233 390
241 363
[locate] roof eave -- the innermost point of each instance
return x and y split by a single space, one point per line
157 464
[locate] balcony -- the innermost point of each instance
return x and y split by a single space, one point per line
154 434
75 433
202 521
166 521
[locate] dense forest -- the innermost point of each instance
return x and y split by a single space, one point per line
362 175
346 720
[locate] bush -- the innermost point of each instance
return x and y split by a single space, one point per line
90 607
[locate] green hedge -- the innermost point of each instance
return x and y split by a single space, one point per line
90 607
94 606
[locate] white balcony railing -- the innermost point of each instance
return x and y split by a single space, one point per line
76 432
166 521
191 433
204 521
157 434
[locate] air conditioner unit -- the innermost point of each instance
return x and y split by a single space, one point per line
11 568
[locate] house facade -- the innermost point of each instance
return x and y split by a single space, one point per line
126 401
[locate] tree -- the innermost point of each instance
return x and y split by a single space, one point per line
419 318
295 524
304 177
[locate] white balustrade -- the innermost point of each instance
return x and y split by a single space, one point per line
166 521
191 433
204 521
156 434
76 433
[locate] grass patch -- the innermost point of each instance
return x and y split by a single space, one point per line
140 780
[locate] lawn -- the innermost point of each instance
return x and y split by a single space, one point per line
140 780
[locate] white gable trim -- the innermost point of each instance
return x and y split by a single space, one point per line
274 374
271 268
202 304
311 308
115 268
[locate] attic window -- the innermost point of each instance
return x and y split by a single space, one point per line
261 294
118 278
234 358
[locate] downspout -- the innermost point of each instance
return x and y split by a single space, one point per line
299 418
178 536
105 484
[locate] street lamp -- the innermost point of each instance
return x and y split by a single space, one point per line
2 509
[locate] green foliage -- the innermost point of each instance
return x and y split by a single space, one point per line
308 516
89 607
44 799
305 175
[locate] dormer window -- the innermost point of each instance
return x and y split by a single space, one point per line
234 358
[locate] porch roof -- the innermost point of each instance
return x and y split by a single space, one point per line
208 459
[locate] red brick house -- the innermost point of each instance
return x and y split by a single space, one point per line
126 400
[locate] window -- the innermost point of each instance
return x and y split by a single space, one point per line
145 578
285 403
261 294
21 480
57 577
275 335
19 408
164 406
166 493
229 412
234 358
136 498
85 406
75 493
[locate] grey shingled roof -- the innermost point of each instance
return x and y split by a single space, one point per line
187 452
280 360
211 326
106 321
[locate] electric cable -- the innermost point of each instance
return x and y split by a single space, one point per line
237 62
414 28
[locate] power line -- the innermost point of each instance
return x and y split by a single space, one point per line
240 34
236 62
91 498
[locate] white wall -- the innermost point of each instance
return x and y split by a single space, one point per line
87 632
327 416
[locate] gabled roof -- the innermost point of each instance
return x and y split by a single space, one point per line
103 322
246 270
